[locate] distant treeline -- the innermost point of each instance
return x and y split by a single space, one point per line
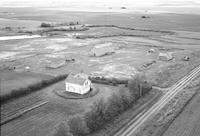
16 93
44 24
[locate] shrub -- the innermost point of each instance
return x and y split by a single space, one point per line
78 126
125 98
145 16
138 86
135 85
95 118
134 88
45 25
111 81
71 23
146 87
114 107
101 112
8 28
123 7
62 130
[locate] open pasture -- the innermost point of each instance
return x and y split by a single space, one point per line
52 55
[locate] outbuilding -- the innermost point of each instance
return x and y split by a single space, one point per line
151 51
77 84
186 58
101 50
165 56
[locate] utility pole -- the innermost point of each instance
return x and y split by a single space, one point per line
140 90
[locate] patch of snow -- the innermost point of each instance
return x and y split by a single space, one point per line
6 55
4 38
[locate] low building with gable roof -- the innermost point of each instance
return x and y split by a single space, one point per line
77 84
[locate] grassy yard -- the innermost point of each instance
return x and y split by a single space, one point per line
49 116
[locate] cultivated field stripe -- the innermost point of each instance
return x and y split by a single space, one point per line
153 111
168 96
20 113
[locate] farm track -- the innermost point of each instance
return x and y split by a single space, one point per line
13 107
112 35
20 112
123 34
7 114
132 127
137 29
37 122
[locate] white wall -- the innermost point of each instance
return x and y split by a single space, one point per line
80 89
76 88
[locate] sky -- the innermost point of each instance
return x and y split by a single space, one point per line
96 3
153 6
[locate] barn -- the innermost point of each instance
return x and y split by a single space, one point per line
101 50
77 84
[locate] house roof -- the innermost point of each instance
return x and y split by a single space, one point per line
75 80
103 45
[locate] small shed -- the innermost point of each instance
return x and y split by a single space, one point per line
77 84
27 68
186 58
165 56
151 51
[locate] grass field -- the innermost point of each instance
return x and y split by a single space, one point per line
188 22
14 80
46 57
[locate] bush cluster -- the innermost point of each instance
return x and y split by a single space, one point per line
78 126
59 24
62 130
15 93
45 25
102 112
108 81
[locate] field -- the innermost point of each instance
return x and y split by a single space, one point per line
14 80
26 61
187 123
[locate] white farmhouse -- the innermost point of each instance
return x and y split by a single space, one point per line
77 84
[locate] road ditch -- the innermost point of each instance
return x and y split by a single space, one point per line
161 122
